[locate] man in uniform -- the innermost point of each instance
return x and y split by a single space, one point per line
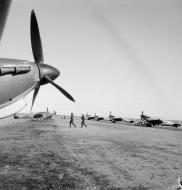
72 120
83 121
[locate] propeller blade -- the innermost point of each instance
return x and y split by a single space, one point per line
60 89
4 7
36 40
35 95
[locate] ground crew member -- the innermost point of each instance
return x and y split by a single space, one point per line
72 120
83 121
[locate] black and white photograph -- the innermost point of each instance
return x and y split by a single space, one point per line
90 95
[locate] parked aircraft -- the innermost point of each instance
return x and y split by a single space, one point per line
170 123
44 115
95 117
150 121
19 77
38 115
89 117
115 119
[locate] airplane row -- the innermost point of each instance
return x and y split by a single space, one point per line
145 120
111 118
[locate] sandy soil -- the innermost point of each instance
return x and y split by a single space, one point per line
49 155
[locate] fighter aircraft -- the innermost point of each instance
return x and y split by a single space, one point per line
150 121
39 115
44 115
170 123
89 117
115 119
19 77
95 117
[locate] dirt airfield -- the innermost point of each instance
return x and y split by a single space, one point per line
49 155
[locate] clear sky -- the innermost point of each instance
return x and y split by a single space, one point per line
119 55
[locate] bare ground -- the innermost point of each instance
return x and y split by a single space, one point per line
49 155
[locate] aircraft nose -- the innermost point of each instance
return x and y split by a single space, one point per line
50 71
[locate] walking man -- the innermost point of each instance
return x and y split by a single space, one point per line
72 120
83 121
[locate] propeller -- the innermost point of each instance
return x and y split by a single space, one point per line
4 8
36 40
59 88
47 73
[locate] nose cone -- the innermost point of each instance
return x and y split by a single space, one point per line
50 71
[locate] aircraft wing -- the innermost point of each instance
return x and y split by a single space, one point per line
4 7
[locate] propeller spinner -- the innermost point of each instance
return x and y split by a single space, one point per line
47 73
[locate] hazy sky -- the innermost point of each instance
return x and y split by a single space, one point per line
119 55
